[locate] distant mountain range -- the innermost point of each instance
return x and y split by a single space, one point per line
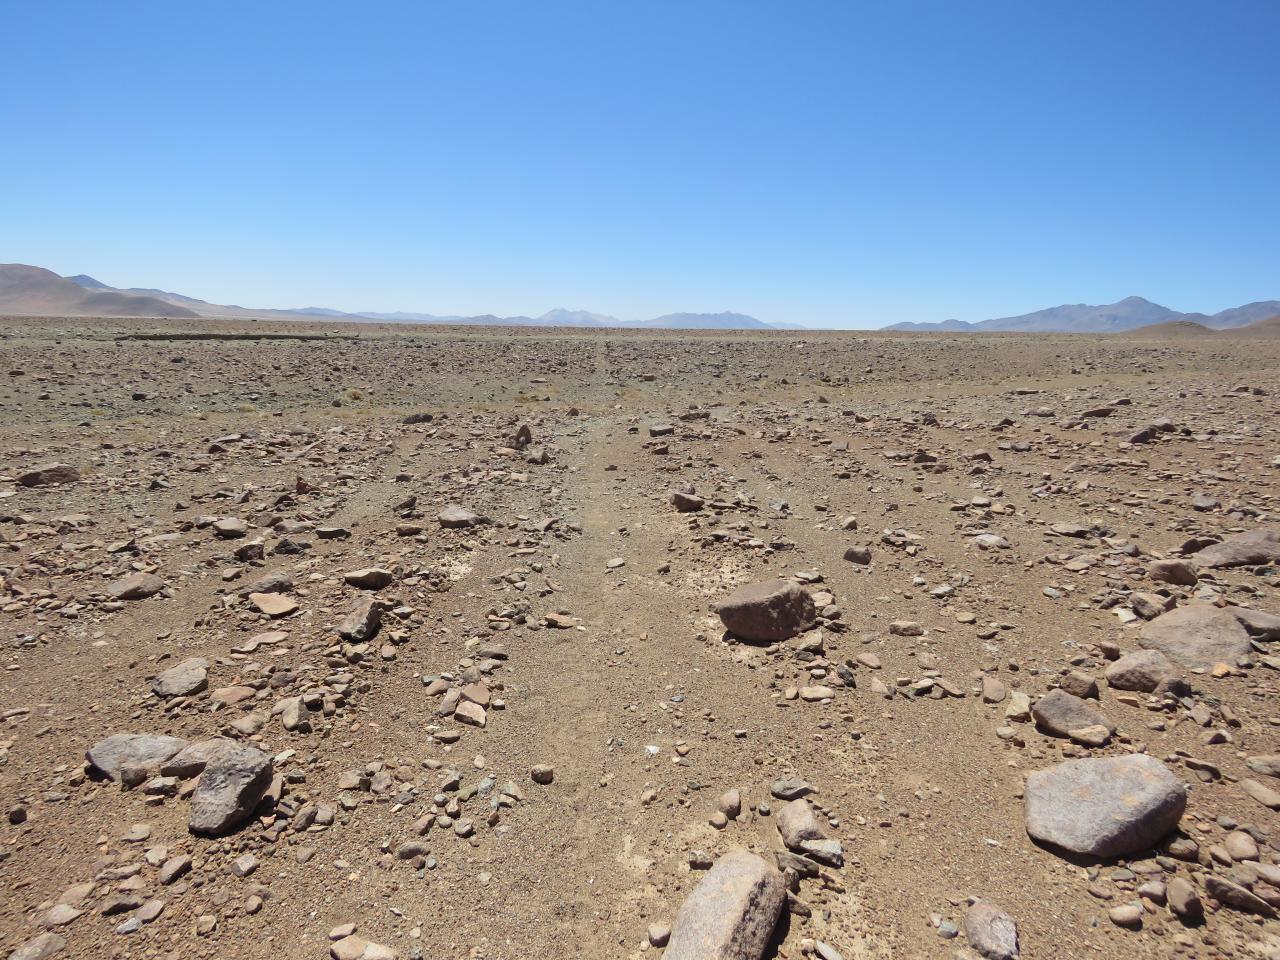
35 291
1129 314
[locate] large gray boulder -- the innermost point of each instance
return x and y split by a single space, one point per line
731 913
1103 807
108 757
1244 549
1196 636
188 677
232 783
768 611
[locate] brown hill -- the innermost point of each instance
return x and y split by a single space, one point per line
1263 328
1170 329
34 291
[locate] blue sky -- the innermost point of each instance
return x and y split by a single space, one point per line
837 163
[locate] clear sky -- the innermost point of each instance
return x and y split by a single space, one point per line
830 163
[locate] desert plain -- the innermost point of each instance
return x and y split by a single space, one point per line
384 640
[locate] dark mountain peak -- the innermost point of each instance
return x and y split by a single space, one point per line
88 282
33 291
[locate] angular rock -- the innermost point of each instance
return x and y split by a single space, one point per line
686 502
1103 807
362 621
229 789
1150 605
1178 572
1059 713
1142 670
767 612
1257 623
1237 897
1266 764
797 823
108 757
731 913
193 758
456 517
1198 635
49 475
471 713
859 555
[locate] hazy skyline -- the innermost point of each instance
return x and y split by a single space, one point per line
821 163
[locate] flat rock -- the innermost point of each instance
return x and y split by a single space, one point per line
188 677
230 528
273 604
40 948
229 788
731 913
1198 635
370 578
49 475
268 583
1103 807
1262 793
1244 549
767 612
136 586
107 757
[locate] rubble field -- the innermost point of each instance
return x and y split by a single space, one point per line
373 641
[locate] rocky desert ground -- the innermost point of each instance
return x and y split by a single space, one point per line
372 641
